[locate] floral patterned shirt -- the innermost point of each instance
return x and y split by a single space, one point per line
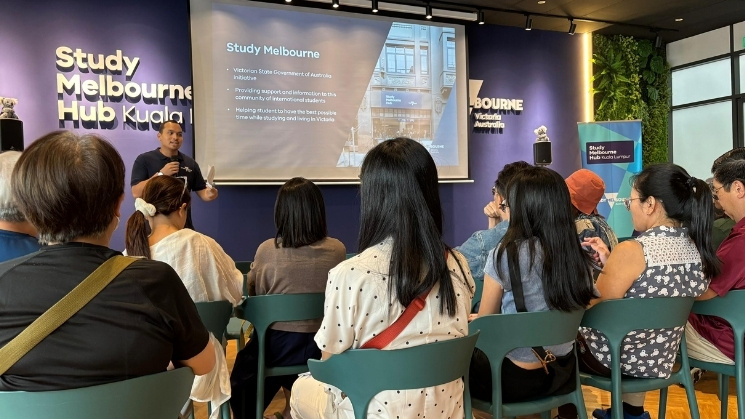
673 269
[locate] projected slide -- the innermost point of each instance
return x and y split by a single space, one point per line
283 92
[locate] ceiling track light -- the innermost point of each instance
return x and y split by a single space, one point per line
572 27
335 4
657 41
428 11
481 17
288 1
375 6
528 23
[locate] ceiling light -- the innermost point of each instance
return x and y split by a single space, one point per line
679 19
572 27
335 3
528 23
375 6
288 1
542 2
657 41
481 17
428 14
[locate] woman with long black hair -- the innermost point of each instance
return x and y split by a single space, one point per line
402 257
539 251
673 257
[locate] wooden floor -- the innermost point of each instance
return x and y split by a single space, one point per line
677 404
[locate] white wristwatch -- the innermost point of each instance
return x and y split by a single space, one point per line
160 173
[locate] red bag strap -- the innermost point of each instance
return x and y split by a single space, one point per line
391 332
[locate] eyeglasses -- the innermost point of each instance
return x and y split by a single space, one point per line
715 192
503 206
627 203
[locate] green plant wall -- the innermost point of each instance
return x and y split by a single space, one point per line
630 81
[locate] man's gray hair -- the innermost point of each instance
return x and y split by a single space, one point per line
8 209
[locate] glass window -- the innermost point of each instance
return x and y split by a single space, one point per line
742 73
450 47
702 82
400 59
700 135
424 61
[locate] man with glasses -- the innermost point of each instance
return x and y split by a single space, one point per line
167 160
710 338
477 247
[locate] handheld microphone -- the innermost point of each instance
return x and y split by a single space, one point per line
174 158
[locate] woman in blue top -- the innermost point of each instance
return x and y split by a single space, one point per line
555 274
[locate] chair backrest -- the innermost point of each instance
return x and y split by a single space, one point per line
539 328
501 333
616 318
243 265
154 396
263 310
728 308
479 282
363 373
215 315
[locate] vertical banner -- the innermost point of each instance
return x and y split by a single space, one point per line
613 150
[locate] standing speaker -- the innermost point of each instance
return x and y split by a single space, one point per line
542 153
11 134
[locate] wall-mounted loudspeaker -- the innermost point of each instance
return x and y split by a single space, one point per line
11 134
542 153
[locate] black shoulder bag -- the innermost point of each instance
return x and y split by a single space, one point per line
561 368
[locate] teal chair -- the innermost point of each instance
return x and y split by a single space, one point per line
262 311
363 373
479 282
243 265
615 319
236 327
730 309
523 330
215 316
154 396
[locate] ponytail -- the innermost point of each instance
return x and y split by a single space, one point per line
161 195
136 241
699 225
687 200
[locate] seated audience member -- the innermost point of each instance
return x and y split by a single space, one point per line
723 225
296 261
674 213
208 273
17 236
586 189
710 338
71 188
722 222
402 257
554 272
478 246
737 153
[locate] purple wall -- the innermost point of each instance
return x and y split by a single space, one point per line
540 67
